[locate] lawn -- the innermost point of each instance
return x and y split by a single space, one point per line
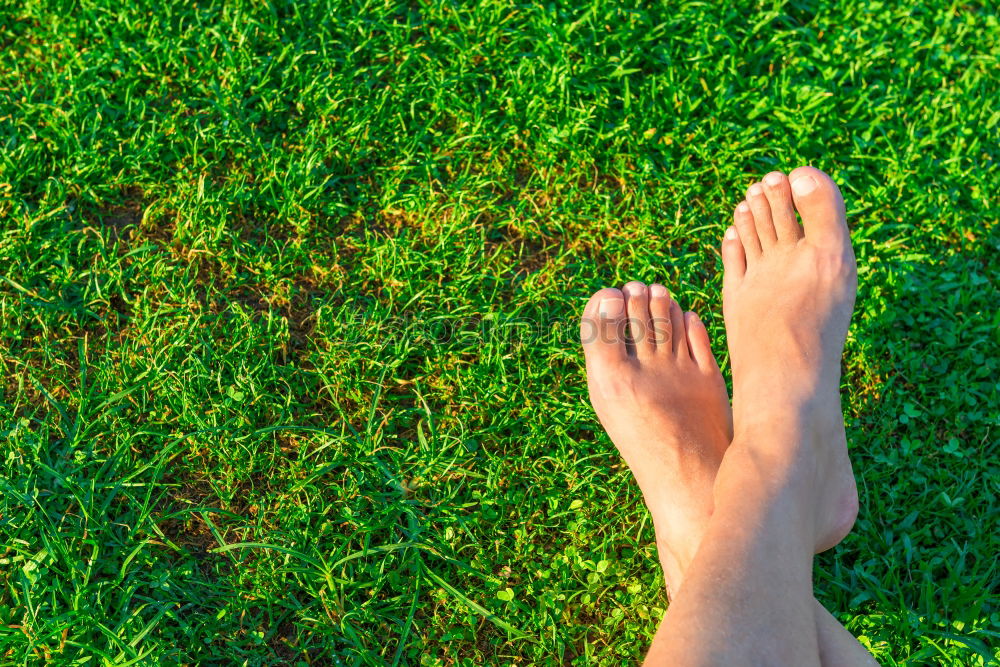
289 295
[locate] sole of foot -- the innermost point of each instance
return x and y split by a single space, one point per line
788 293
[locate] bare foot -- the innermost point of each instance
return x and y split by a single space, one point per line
659 394
668 414
787 297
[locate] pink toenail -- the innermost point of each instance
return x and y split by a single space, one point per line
658 290
731 234
773 179
755 190
743 207
612 307
803 185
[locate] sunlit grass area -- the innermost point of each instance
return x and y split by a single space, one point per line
289 295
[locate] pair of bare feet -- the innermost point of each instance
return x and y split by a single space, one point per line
788 294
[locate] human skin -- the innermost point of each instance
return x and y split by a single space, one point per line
660 395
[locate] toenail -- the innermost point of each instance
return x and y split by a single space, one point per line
612 307
773 180
731 233
754 190
803 185
658 290
743 207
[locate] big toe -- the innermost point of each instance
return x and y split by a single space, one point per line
602 327
821 207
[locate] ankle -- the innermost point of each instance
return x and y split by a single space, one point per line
802 423
765 485
673 570
794 387
755 464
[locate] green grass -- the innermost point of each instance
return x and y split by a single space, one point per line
288 297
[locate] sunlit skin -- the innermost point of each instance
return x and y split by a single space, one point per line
658 391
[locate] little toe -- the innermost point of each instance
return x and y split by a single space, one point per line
639 325
659 310
743 220
779 198
821 206
761 216
602 328
698 344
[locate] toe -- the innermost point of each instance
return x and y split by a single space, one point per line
743 220
679 341
698 344
602 328
659 310
639 325
761 216
779 198
818 200
734 260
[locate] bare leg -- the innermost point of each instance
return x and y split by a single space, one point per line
837 646
785 484
749 587
668 412
664 405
